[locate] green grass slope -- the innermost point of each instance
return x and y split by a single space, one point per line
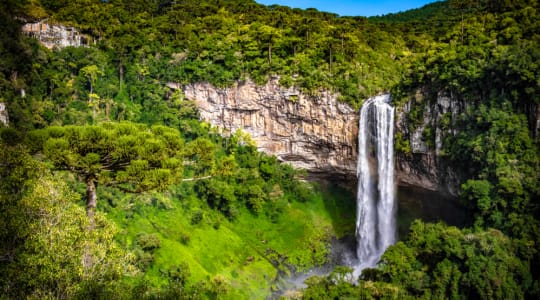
248 254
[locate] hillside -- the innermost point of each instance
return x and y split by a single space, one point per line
112 186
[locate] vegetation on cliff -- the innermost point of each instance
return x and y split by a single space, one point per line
186 213
488 62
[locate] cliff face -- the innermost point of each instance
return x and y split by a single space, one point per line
316 133
4 118
320 134
54 36
425 166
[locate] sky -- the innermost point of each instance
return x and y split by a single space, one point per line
364 8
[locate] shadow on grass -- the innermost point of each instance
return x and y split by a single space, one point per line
340 203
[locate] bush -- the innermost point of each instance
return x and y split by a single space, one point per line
148 242
184 238
144 259
179 273
303 192
196 217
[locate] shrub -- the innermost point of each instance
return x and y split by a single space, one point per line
196 217
148 242
144 259
184 238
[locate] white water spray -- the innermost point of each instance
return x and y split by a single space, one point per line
375 218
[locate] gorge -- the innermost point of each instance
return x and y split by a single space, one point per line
319 133
333 141
231 146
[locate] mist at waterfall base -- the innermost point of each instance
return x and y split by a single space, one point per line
413 203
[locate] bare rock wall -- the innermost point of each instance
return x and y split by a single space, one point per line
314 132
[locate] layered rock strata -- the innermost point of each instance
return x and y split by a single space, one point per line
316 133
54 35
319 134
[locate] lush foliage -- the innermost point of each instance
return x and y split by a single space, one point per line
486 60
186 213
144 43
44 233
220 189
437 261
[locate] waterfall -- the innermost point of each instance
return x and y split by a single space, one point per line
375 219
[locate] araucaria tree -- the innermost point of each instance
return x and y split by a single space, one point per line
131 156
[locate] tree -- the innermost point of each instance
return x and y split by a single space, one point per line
201 153
43 235
16 167
462 6
268 35
57 240
92 72
476 193
452 263
130 156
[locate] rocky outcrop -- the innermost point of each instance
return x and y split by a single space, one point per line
320 134
4 118
54 36
425 166
316 133
537 122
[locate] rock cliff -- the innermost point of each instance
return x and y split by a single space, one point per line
424 129
316 133
54 35
4 118
319 134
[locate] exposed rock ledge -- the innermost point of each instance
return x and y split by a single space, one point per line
425 167
317 133
4 118
55 35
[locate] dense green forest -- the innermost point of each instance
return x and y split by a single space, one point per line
111 186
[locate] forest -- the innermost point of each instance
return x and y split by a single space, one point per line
111 187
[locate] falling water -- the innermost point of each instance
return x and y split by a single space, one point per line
375 221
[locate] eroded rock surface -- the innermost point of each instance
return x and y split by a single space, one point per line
425 166
320 134
54 35
4 117
316 133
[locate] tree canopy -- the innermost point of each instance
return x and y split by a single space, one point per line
100 121
131 156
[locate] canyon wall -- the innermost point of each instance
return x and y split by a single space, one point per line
314 132
426 165
55 35
320 134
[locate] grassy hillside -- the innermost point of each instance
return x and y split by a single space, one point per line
250 254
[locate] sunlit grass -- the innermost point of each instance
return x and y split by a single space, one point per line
248 251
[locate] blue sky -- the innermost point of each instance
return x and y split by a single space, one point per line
364 8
